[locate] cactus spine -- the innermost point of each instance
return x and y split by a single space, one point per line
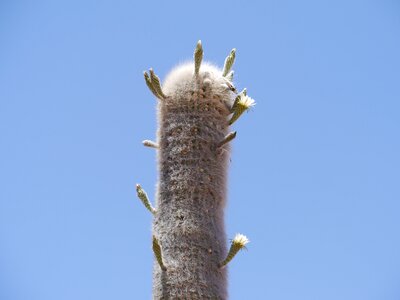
197 103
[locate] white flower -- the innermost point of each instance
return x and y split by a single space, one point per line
240 240
246 102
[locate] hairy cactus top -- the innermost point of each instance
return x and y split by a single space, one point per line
208 84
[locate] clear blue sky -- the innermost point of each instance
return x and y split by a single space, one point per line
315 175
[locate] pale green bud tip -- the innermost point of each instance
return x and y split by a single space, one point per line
198 57
147 79
143 197
141 193
157 252
230 59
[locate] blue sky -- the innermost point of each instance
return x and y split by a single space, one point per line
314 177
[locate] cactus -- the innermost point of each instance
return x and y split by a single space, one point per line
197 103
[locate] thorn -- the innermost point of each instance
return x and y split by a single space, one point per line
144 198
150 144
198 57
229 137
157 253
229 60
238 243
155 81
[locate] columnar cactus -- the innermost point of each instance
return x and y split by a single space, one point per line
197 103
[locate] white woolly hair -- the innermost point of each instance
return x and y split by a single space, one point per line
181 80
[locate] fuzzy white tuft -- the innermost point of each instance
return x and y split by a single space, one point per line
182 80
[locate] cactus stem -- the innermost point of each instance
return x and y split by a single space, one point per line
198 57
150 144
229 60
156 84
145 200
157 253
238 243
193 157
229 137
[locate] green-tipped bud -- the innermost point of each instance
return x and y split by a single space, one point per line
229 60
238 243
157 253
145 200
155 81
150 85
198 57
